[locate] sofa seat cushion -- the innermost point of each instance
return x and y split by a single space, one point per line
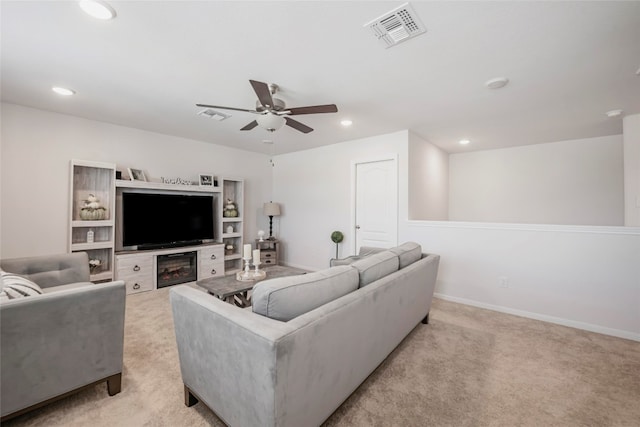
285 298
13 286
375 267
407 253
66 287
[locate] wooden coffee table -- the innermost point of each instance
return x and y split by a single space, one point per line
236 292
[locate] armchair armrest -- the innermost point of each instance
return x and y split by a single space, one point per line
57 342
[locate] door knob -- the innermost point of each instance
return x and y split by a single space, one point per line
357 227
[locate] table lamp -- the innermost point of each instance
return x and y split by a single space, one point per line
271 209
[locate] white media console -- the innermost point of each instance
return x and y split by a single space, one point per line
149 270
95 227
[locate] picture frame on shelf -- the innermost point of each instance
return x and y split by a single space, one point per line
137 174
206 180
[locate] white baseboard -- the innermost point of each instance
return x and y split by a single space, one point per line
551 319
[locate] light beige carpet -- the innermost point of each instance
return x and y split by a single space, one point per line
468 367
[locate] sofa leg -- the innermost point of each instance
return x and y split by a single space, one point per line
426 319
189 398
114 384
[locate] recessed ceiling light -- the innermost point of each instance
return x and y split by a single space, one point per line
346 123
267 141
98 9
464 141
63 91
614 113
497 83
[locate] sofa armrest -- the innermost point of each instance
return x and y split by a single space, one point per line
334 262
57 342
227 355
365 251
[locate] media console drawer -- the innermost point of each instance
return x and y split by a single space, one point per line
136 271
211 262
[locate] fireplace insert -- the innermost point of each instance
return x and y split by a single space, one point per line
174 269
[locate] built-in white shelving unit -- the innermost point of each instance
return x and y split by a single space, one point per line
93 193
233 189
92 210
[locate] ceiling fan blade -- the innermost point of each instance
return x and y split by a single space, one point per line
227 108
298 126
250 125
330 108
263 92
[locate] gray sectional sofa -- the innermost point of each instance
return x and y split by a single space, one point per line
69 337
308 342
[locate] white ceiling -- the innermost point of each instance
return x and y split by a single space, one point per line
568 63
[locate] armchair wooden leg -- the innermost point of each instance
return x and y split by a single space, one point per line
426 319
114 384
189 398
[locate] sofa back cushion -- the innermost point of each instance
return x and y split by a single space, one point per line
51 270
375 267
407 253
284 298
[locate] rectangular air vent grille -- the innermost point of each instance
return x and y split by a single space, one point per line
213 114
396 26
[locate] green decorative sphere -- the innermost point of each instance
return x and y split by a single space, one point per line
337 237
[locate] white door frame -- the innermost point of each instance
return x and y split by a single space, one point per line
354 164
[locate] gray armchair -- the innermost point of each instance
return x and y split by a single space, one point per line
68 338
365 251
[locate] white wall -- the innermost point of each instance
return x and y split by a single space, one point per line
588 277
631 126
581 276
38 145
569 182
314 187
428 181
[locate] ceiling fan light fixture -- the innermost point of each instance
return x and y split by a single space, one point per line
346 123
271 122
97 9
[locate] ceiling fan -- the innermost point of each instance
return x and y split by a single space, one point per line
273 113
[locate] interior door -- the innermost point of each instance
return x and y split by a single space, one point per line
376 203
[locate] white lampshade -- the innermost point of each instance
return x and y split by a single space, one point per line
270 121
271 209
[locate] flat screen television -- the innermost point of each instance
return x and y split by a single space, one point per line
160 220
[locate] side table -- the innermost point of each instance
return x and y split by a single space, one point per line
269 251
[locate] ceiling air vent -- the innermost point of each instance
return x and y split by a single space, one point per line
396 26
213 114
